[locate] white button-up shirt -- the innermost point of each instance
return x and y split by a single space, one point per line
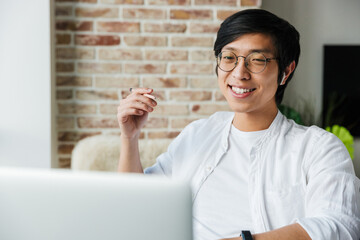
298 174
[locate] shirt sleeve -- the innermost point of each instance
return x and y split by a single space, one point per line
165 162
332 202
163 165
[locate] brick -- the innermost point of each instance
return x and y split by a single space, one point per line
219 96
64 162
145 41
203 55
208 109
166 55
204 82
65 122
192 41
97 122
250 3
74 108
169 2
216 2
181 122
143 68
123 1
72 136
63 11
122 27
125 93
63 38
97 40
192 68
171 110
142 135
116 132
74 25
154 122
97 12
190 95
204 28
108 108
223 14
160 82
160 95
120 54
164 27
73 81
89 67
144 13
191 14
75 53
82 1
64 94
96 95
116 82
163 134
64 67
65 148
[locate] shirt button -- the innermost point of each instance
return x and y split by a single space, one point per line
208 168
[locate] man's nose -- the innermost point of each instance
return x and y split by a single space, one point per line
240 71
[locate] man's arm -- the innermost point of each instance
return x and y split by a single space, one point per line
132 116
290 232
129 156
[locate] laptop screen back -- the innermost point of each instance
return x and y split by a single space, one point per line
60 204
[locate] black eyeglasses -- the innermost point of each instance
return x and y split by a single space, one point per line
255 62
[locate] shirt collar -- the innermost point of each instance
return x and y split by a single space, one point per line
273 128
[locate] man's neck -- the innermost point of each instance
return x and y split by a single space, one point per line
254 121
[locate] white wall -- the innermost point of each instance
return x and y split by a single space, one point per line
26 119
319 22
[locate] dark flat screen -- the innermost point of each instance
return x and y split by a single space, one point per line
341 85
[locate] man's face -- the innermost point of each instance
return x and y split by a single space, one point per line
248 92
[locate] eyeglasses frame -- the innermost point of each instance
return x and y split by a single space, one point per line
246 64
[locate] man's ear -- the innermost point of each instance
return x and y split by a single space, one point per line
288 70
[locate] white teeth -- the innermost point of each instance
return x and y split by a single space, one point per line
241 90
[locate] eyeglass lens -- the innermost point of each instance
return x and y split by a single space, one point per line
255 62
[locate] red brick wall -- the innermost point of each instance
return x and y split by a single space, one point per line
104 47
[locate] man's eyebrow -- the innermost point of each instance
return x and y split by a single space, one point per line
263 50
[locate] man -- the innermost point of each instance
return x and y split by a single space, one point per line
253 169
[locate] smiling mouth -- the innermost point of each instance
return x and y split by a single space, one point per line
238 90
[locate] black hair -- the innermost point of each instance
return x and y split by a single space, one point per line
284 36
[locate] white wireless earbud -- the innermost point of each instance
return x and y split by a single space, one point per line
283 79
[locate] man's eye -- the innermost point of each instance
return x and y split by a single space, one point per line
258 60
228 58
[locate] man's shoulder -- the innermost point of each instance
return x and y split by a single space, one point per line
312 134
216 120
222 117
291 127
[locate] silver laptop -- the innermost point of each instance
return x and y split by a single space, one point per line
60 204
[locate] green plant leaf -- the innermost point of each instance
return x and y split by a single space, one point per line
344 135
290 113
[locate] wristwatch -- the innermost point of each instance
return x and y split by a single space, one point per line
246 235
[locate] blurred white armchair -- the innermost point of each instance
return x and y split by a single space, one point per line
101 152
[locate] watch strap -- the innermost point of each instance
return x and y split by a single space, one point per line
246 235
